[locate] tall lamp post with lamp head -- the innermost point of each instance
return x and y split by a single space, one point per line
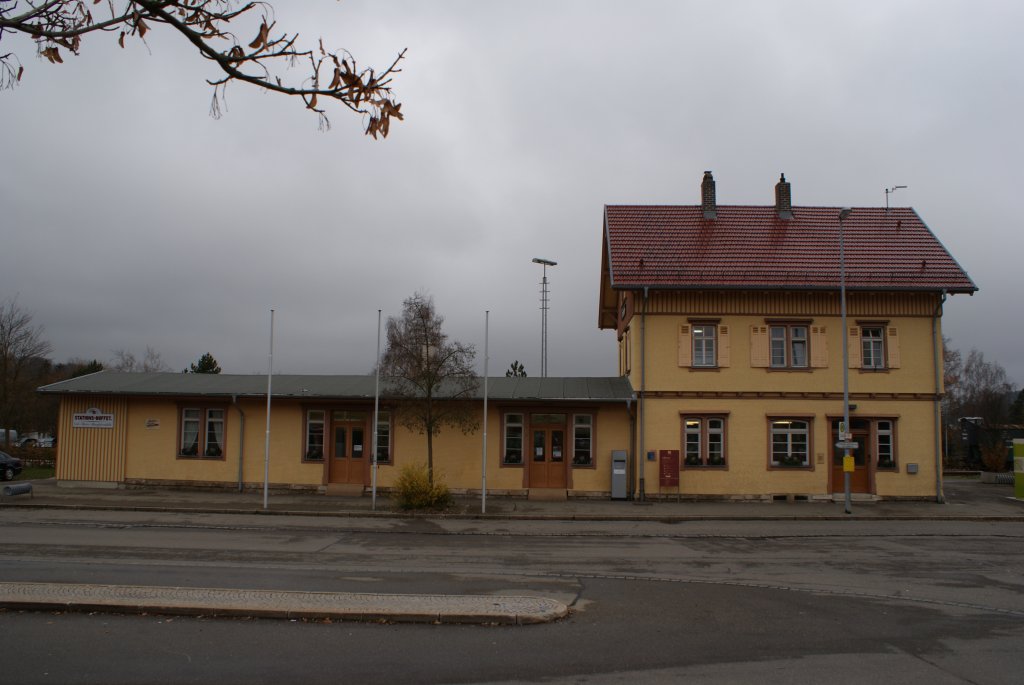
844 438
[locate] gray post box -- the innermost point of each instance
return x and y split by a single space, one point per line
620 474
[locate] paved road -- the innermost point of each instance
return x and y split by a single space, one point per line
708 601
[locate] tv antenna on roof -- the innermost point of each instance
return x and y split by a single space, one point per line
887 193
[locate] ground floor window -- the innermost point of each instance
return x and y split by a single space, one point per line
383 437
202 433
512 454
790 446
315 435
704 440
583 440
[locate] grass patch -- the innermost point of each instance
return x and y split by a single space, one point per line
36 473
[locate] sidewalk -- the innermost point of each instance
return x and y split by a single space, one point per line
346 606
966 499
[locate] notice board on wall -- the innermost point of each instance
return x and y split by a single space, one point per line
668 468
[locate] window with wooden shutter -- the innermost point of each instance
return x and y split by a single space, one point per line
819 347
853 347
893 344
685 352
759 356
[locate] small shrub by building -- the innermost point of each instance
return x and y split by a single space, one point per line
413 489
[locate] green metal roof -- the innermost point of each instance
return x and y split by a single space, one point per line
575 389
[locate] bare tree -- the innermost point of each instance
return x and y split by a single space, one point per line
23 363
326 75
433 375
125 360
980 393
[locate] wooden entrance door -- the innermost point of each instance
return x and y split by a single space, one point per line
547 457
348 450
860 479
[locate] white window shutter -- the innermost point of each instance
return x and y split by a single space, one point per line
723 346
853 347
759 356
819 347
893 344
685 346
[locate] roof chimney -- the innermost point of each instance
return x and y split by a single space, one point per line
783 198
707 196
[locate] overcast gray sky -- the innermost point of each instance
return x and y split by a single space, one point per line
131 218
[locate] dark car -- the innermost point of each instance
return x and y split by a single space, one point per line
9 466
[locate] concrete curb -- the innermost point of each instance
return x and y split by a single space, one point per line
345 606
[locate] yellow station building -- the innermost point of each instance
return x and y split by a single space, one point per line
730 380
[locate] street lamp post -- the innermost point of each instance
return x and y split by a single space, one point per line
544 315
843 434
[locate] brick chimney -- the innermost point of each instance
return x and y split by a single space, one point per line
707 196
783 198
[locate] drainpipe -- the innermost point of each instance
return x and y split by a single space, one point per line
939 496
241 441
643 394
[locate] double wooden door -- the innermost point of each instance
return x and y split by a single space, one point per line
348 452
547 456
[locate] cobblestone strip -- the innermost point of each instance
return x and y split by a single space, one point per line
282 604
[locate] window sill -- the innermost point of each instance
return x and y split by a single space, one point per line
200 457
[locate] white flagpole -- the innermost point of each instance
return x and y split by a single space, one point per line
266 446
376 415
483 466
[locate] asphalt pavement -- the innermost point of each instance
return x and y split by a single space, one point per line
966 499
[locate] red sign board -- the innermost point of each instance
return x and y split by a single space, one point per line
669 468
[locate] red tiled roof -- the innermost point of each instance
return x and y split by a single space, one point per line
751 247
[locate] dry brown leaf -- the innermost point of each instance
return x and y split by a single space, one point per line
312 102
120 40
336 81
21 70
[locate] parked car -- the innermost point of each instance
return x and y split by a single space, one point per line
36 440
9 466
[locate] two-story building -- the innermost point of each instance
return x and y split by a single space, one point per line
729 329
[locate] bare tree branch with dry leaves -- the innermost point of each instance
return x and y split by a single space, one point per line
326 75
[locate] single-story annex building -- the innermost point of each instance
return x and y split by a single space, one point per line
122 429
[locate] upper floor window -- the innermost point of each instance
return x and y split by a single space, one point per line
202 432
788 344
874 346
703 337
703 345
